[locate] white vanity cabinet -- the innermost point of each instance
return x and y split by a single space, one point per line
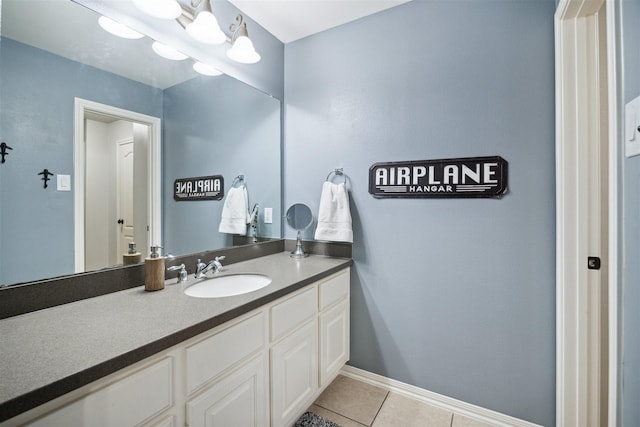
315 326
264 368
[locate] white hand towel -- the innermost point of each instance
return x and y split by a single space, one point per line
334 216
235 212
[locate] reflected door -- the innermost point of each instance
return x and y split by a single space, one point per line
124 196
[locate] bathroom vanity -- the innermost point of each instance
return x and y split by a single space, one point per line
168 359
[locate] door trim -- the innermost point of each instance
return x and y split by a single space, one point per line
614 74
576 87
154 184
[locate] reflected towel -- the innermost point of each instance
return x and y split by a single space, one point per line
334 216
235 213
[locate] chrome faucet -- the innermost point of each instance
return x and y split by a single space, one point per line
253 222
214 265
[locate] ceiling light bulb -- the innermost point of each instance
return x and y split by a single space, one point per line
168 52
243 51
118 29
206 69
163 9
205 29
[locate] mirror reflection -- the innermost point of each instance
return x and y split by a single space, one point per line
53 53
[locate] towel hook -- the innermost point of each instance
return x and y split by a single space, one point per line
237 179
337 172
3 151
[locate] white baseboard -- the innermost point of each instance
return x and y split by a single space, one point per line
466 409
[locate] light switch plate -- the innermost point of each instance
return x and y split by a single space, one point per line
631 124
64 182
268 215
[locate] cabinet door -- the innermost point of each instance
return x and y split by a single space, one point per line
238 400
334 341
294 374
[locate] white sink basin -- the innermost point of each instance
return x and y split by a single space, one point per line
226 286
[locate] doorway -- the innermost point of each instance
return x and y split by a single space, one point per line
117 184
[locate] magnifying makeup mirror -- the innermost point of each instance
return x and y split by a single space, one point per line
299 217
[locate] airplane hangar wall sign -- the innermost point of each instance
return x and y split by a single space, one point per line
198 188
471 177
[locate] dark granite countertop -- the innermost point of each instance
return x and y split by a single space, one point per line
48 353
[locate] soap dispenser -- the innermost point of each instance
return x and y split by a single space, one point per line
133 256
154 271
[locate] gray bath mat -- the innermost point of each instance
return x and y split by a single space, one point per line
309 419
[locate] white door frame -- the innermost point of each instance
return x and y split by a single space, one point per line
578 107
154 185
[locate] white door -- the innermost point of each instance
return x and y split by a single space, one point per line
124 194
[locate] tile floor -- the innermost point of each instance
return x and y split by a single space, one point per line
352 403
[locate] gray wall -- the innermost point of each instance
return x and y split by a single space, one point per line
455 296
631 225
218 126
37 91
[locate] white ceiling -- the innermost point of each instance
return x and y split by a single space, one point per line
290 20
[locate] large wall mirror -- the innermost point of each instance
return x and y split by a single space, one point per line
140 119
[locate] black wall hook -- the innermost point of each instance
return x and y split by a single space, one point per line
3 151
45 176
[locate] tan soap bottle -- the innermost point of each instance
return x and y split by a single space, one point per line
154 271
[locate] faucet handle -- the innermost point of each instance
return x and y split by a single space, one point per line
182 276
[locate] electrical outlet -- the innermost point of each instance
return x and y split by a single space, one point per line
268 215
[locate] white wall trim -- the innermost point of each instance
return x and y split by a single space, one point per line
575 96
79 155
444 402
615 198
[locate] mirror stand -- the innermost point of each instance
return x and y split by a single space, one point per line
298 252
299 217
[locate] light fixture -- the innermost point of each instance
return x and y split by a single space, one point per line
199 22
206 69
168 52
118 29
242 49
204 27
163 9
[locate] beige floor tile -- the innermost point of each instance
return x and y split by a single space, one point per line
462 421
352 399
402 411
333 417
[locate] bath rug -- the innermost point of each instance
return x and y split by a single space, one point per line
309 419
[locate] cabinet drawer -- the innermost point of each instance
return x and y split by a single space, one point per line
334 289
214 355
293 312
128 402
